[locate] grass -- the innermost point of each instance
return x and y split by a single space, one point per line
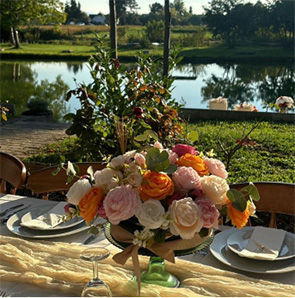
272 158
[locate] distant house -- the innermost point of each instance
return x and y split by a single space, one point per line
97 19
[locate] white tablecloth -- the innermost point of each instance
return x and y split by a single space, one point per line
23 290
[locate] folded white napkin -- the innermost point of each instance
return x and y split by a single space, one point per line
264 244
50 219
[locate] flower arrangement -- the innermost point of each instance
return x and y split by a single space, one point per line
245 107
218 103
284 103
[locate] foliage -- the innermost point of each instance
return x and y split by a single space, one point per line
74 13
38 105
121 104
155 31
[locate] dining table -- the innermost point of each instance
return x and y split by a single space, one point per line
51 267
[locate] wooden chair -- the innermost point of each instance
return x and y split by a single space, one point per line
43 182
12 171
275 197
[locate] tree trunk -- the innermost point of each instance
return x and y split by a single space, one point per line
12 39
17 44
113 29
167 39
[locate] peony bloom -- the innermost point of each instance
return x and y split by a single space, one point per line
121 203
186 218
215 188
238 218
209 213
89 204
78 190
186 179
189 160
140 159
107 179
156 186
151 214
181 150
216 167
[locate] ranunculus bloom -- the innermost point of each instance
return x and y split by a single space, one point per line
216 167
89 204
78 190
209 213
175 196
186 218
186 179
140 159
151 214
107 179
215 188
189 160
137 111
121 203
181 149
156 186
238 218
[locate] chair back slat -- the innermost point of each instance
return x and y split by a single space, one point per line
42 181
12 170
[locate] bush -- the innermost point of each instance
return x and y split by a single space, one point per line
38 105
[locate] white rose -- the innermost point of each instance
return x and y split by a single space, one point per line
215 188
117 162
186 218
78 190
134 179
133 168
128 156
107 179
151 214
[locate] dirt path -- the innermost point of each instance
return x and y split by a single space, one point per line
23 137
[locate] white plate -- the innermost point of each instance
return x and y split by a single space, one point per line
13 225
239 240
39 210
222 253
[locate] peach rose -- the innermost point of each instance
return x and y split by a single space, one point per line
121 203
197 163
238 218
89 204
215 188
156 186
186 179
216 167
186 218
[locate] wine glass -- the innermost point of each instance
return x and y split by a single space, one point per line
95 287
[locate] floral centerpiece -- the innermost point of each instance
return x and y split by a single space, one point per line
284 103
157 194
245 107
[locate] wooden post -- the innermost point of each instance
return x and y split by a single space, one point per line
113 28
167 38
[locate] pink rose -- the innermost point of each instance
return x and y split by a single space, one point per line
101 211
176 196
216 167
139 159
209 213
181 149
186 178
172 157
121 203
158 145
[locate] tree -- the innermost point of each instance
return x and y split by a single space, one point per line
222 20
125 6
75 14
15 13
156 8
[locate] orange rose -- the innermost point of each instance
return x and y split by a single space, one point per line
156 186
89 203
189 160
238 218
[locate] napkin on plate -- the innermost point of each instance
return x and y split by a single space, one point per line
48 220
264 244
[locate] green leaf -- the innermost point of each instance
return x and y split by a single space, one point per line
93 230
171 169
56 171
253 192
163 157
141 138
204 232
240 204
160 236
161 167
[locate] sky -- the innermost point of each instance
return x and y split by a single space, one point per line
96 6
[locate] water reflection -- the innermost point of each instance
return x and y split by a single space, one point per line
19 84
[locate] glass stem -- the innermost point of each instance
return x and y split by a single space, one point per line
95 270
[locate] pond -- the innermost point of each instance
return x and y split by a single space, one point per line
253 83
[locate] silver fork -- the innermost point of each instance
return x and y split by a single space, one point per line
2 293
